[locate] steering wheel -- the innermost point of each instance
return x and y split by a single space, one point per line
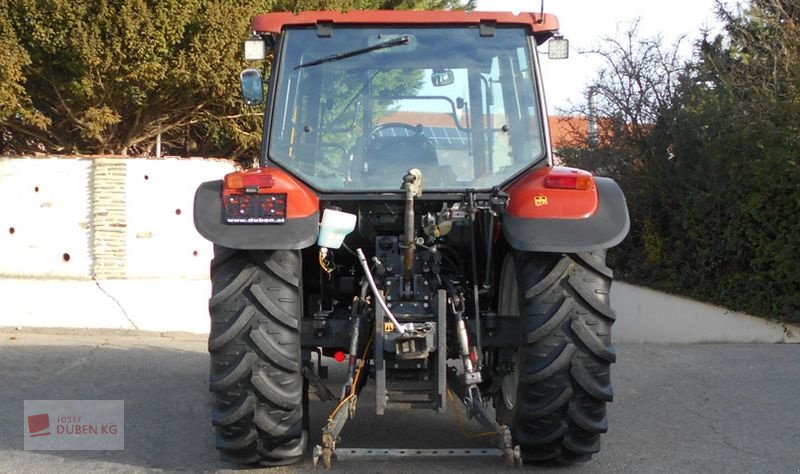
416 129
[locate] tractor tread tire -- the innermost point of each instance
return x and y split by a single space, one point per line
255 371
564 358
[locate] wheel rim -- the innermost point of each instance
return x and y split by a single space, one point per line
509 306
510 384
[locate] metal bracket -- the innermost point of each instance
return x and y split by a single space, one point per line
471 397
380 454
415 185
487 28
441 350
380 363
324 29
330 433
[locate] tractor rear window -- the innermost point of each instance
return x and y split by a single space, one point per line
356 110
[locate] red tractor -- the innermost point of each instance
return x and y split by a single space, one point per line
406 215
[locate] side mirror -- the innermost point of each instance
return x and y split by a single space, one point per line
558 48
252 86
442 77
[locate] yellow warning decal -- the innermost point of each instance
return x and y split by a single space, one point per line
539 201
388 326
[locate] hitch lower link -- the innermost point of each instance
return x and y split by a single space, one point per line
466 386
330 433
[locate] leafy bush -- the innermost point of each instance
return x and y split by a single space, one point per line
713 183
108 76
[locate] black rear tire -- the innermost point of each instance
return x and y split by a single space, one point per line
555 399
259 397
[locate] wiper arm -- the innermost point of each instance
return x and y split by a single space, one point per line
349 54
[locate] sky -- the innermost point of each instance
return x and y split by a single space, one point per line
585 22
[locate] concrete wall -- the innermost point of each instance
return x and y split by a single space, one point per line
102 218
161 239
45 218
139 304
648 316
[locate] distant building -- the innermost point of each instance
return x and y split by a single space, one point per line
568 130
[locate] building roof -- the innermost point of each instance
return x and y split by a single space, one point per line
568 130
427 119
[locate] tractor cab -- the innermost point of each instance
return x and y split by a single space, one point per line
355 106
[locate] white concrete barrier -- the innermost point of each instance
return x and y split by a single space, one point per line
648 316
45 217
161 239
147 305
103 218
104 243
643 315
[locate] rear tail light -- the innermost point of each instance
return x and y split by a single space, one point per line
249 181
266 196
234 181
571 179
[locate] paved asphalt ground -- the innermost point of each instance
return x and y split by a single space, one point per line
698 408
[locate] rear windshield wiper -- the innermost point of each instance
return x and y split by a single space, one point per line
349 54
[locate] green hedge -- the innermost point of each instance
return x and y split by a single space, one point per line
713 187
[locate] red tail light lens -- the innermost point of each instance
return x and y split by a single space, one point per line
571 180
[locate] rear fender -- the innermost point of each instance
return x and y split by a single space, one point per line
541 218
298 230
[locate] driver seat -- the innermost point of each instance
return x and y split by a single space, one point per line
387 159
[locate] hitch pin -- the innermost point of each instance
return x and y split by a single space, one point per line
363 260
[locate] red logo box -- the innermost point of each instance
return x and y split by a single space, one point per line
37 424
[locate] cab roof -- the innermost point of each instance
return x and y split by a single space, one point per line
274 23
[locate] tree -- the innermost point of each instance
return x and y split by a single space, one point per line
734 130
710 171
636 83
12 87
635 86
14 102
108 76
638 80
